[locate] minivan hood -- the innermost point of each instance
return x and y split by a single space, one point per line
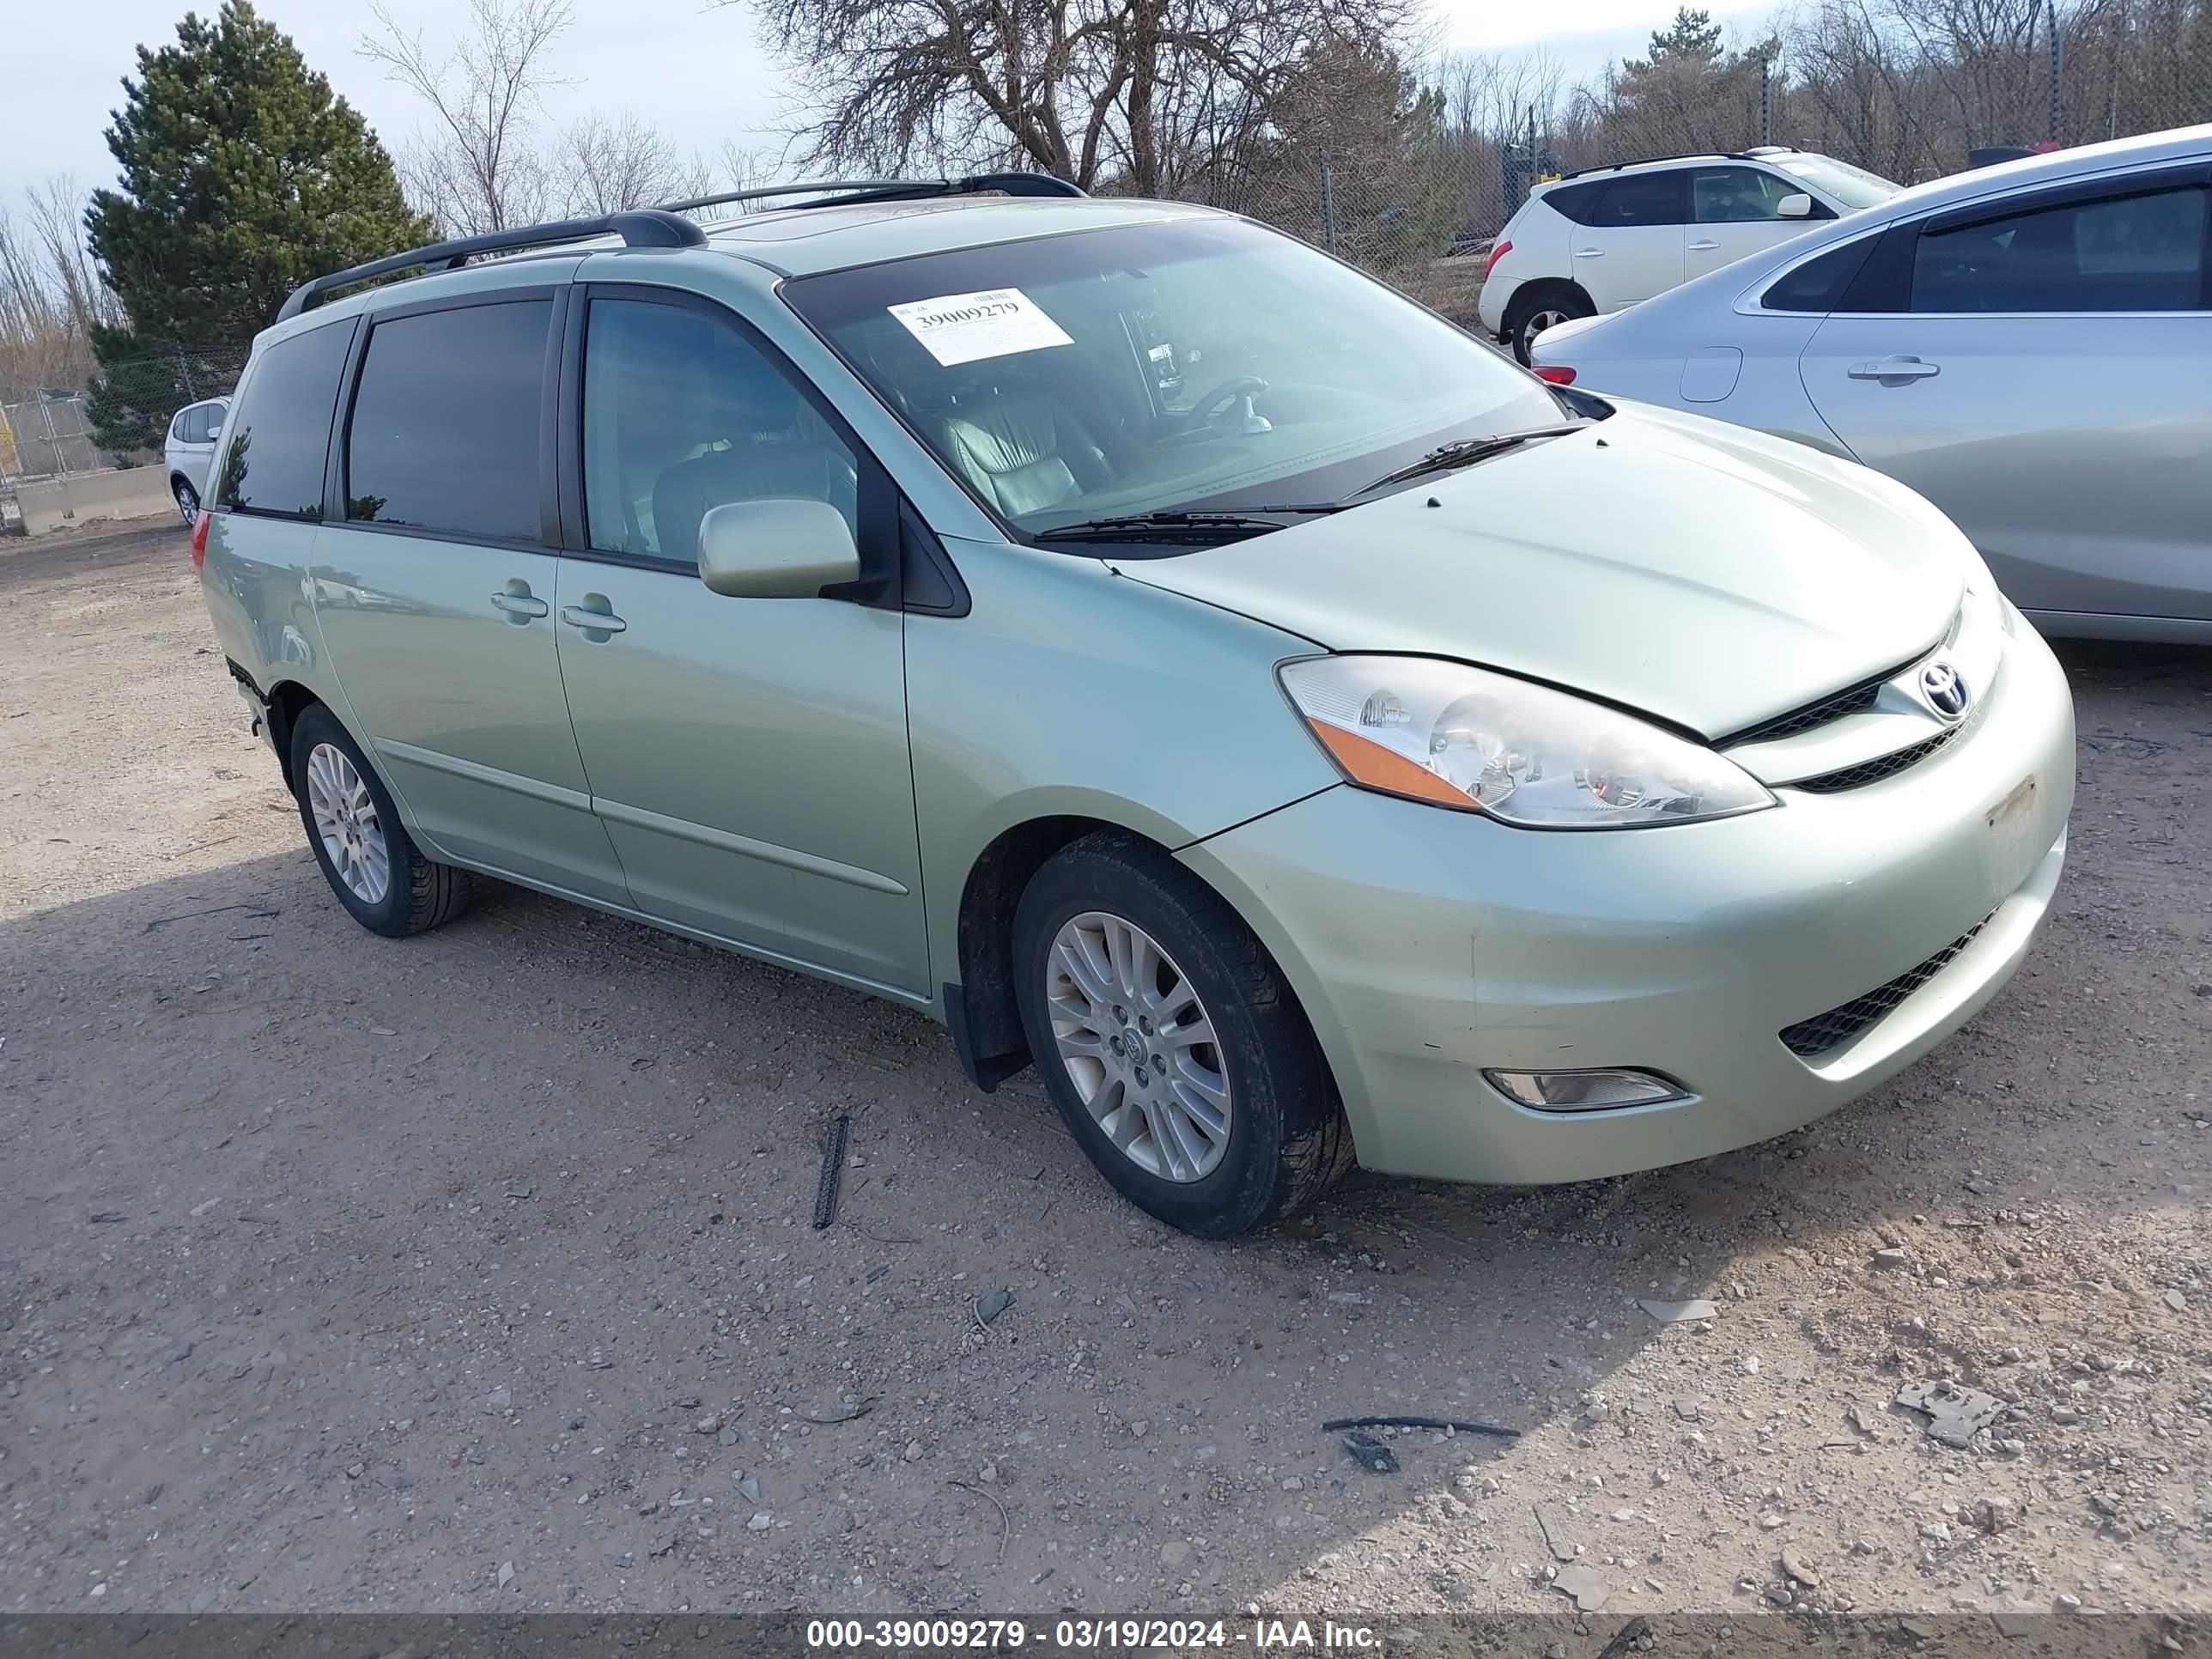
1703 574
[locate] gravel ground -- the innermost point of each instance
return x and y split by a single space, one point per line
474 1271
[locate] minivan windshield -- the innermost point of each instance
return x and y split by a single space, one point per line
1854 188
1199 365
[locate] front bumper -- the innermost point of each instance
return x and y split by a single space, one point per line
1427 945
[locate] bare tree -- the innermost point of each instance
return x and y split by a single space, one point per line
478 168
51 295
1138 93
607 162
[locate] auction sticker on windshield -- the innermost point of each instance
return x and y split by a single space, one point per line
962 328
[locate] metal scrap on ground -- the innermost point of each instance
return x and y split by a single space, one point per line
1451 1424
833 1169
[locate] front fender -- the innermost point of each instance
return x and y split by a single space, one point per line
1068 691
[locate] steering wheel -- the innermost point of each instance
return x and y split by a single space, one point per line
1226 410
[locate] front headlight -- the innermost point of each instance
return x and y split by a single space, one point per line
1455 736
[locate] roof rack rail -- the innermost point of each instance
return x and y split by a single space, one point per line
1685 155
641 228
836 192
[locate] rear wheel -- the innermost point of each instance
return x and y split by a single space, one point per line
188 501
1533 314
367 857
1171 1045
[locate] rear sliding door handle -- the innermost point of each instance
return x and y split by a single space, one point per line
592 622
1894 369
518 605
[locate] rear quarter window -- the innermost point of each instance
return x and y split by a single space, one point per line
1819 283
280 432
1577 202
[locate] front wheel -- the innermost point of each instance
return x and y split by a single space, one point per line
370 859
1167 1037
188 501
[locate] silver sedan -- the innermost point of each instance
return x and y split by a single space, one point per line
2029 346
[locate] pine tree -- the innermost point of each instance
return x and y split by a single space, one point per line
243 176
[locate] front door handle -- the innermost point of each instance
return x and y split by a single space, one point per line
520 605
592 622
1702 247
1589 253
1894 371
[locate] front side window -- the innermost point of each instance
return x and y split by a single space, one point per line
444 434
1200 364
1732 196
1644 198
2129 253
682 414
280 435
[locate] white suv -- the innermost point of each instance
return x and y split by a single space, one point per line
1605 237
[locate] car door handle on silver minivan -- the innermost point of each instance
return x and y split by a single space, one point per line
1589 253
521 606
592 622
1891 370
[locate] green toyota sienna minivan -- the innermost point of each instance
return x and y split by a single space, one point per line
1164 654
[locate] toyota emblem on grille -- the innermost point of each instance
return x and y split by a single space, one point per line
1945 691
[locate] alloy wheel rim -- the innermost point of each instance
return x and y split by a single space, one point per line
346 820
188 503
1139 1046
1539 321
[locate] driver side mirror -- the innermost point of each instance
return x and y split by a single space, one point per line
1795 205
778 549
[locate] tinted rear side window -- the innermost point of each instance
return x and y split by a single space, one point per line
1577 202
1818 284
2132 253
444 429
1646 198
281 428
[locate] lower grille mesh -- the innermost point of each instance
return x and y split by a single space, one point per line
1881 767
1808 1039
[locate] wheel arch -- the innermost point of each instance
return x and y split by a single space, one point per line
287 700
1536 289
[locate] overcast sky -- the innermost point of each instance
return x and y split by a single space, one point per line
690 67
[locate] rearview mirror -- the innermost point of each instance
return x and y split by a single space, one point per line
1795 205
778 549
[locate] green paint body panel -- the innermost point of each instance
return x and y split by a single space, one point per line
813 782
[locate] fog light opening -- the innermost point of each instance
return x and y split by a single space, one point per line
1585 1091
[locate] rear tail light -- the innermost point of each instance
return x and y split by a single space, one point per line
199 539
1496 254
1555 374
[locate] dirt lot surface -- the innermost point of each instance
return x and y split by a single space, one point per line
475 1272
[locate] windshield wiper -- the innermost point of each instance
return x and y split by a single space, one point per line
1465 452
1181 524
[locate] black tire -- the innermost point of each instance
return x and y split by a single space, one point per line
1287 1139
1549 303
420 893
188 501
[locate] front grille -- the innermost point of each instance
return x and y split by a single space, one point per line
1808 1039
1881 767
1852 699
